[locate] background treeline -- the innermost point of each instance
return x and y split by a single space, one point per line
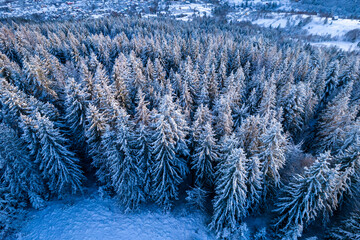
345 8
154 110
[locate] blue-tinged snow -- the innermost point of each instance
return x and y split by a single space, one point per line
91 217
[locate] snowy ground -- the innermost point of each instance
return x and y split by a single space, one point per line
185 11
346 46
91 217
333 29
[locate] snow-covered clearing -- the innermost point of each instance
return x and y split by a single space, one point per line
185 11
314 25
339 27
91 217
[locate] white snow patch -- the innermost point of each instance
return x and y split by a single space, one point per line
185 11
91 217
346 46
333 27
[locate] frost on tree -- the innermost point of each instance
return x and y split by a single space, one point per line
254 183
125 171
169 168
95 128
18 174
230 189
306 197
335 120
141 141
272 155
205 157
76 108
59 167
348 229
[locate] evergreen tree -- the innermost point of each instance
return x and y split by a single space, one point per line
272 155
96 125
253 183
267 101
305 198
125 170
331 81
18 174
57 164
334 121
76 108
204 157
222 117
294 109
169 168
120 75
141 141
230 199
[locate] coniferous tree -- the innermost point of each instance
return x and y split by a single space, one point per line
204 157
169 168
222 117
120 75
18 174
306 197
125 171
76 108
57 164
141 141
272 155
96 125
334 121
253 183
230 190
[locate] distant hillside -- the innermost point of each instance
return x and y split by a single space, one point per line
348 8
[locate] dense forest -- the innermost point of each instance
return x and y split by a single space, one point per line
345 8
237 123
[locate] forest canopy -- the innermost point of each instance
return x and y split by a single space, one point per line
239 123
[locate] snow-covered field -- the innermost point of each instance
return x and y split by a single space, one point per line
185 11
91 217
334 29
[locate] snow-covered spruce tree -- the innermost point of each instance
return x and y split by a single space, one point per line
124 168
196 196
141 141
205 156
18 174
37 79
253 183
222 117
271 154
168 136
230 189
96 124
201 118
120 75
349 228
331 81
76 108
15 102
335 120
306 198
268 98
58 166
348 166
293 107
249 135
11 212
